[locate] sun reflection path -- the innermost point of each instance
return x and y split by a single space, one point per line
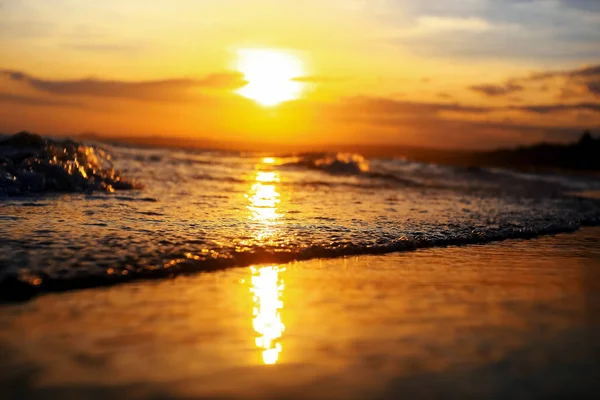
267 287
263 201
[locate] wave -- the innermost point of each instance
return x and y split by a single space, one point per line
31 164
333 163
26 284
348 164
202 226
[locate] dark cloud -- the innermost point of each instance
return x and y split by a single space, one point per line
593 71
587 77
14 75
497 90
547 109
594 87
37 101
584 5
158 90
575 83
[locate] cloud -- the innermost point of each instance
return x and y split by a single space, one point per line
37 101
587 72
26 29
436 24
586 77
583 5
547 109
157 90
417 120
594 87
316 79
453 133
103 48
226 80
385 106
528 30
573 84
381 105
497 90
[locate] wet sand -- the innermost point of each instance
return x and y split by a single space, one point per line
516 319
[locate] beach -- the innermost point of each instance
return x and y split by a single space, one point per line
289 200
512 319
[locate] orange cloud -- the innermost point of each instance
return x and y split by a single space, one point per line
157 90
37 101
319 79
497 90
574 83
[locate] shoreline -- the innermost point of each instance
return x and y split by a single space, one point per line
15 290
501 320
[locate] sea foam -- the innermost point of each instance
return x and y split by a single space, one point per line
31 164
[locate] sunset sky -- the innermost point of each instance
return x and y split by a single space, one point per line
448 74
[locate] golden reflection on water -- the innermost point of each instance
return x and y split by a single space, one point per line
267 288
263 200
266 284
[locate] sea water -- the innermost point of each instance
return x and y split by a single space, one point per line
87 214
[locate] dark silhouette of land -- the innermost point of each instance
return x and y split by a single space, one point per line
583 155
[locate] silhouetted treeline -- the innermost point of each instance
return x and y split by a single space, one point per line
582 155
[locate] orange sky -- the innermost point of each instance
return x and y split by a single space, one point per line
473 73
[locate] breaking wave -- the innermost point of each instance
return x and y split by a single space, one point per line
31 164
350 164
333 163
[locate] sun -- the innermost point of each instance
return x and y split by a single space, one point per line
271 75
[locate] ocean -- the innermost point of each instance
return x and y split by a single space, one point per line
75 215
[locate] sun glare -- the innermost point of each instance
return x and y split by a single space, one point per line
270 75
